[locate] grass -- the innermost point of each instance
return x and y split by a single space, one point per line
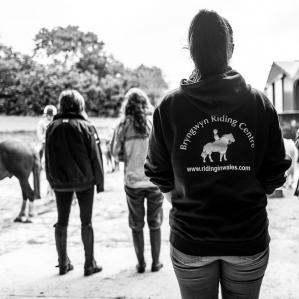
24 127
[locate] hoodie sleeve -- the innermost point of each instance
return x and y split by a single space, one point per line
158 165
276 162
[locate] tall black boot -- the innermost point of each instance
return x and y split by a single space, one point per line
64 262
90 266
138 241
155 239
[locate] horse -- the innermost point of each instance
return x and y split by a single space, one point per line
19 160
292 151
220 146
112 164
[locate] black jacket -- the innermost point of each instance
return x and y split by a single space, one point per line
73 154
217 146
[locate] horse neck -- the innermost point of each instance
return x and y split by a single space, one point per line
224 139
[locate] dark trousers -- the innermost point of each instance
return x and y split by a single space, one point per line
240 277
64 203
135 200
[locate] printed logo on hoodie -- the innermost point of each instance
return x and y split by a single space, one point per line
220 145
217 137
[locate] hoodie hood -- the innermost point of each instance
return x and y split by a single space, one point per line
221 93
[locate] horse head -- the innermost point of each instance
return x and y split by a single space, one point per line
228 138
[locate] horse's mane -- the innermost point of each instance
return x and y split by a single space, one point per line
227 135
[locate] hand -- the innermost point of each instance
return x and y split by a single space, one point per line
167 196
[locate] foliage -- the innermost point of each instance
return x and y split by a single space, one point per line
150 79
70 58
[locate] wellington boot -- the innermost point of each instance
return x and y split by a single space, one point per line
138 241
90 265
155 239
94 268
64 262
63 269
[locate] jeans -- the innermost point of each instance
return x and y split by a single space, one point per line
135 200
240 277
64 202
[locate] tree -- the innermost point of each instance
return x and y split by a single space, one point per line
70 45
150 79
13 67
77 60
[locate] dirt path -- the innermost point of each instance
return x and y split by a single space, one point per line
28 256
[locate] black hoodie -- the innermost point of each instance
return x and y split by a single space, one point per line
217 146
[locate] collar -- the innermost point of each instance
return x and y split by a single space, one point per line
69 116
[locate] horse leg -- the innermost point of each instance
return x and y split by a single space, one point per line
204 155
225 157
28 194
36 177
112 165
116 163
210 157
221 156
31 211
22 214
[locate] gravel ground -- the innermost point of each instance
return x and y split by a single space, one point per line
28 255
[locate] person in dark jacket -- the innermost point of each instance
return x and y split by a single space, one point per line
216 150
74 164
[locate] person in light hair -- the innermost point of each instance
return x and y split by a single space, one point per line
129 145
49 112
74 164
219 224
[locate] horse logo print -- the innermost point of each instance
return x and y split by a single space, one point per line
220 146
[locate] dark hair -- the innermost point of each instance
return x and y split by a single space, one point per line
230 31
71 101
137 107
210 39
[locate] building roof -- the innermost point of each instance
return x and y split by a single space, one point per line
287 68
290 67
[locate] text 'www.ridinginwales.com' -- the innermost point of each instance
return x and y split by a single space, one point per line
218 168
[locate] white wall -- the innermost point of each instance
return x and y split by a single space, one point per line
269 93
278 96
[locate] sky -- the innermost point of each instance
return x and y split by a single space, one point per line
154 32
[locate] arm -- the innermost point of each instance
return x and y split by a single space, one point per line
40 131
47 168
158 165
276 162
297 139
117 143
96 159
167 196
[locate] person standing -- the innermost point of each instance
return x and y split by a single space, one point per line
49 112
129 145
216 150
74 164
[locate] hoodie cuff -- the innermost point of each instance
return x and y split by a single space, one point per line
165 189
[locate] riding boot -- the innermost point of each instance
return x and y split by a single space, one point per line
90 266
155 239
64 262
138 241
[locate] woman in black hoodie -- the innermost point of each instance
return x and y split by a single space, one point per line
216 150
